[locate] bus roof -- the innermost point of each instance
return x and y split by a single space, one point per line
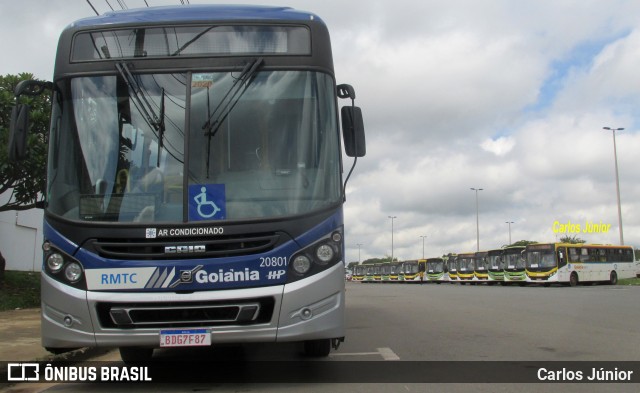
195 13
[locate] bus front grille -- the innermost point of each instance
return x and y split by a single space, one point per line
192 314
219 247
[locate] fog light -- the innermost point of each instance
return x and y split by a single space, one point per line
55 262
73 272
324 253
68 321
336 237
301 264
306 313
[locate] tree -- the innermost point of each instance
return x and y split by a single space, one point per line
571 239
25 180
521 243
386 259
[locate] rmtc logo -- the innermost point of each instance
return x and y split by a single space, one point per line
119 278
184 249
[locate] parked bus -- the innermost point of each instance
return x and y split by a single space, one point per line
358 273
385 272
481 267
411 271
466 267
495 266
436 270
451 267
194 186
396 271
576 263
514 265
369 269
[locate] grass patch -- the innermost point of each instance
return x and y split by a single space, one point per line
19 290
629 281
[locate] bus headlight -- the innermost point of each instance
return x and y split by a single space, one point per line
73 272
324 253
55 262
317 257
301 264
62 267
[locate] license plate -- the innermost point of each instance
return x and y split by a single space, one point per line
185 338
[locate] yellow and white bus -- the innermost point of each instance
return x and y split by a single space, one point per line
358 272
466 267
411 271
481 267
576 263
451 267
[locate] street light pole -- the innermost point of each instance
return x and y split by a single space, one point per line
477 219
509 222
392 217
359 245
615 158
423 237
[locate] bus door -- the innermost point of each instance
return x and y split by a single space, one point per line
561 260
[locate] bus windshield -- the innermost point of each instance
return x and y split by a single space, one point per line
119 145
411 268
435 266
538 259
496 262
466 264
514 260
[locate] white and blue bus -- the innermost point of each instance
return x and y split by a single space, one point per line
194 185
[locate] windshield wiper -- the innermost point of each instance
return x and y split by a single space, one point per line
228 102
143 105
231 97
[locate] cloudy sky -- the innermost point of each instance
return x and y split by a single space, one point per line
504 95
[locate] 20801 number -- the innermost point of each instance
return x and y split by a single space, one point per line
273 261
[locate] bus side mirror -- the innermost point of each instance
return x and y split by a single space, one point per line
19 123
18 129
353 131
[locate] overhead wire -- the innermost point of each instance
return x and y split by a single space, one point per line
93 8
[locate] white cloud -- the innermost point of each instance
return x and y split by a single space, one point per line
500 146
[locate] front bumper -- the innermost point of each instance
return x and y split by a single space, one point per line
309 309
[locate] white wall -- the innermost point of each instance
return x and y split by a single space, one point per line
21 239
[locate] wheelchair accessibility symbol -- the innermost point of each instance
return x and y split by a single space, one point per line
207 202
204 205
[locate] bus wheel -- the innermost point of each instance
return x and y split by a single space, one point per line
573 279
135 354
613 278
317 348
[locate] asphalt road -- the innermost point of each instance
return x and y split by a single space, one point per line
406 322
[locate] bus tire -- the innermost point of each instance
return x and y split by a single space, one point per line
317 348
135 354
573 279
613 278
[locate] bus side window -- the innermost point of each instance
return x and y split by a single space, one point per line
584 255
602 255
574 255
